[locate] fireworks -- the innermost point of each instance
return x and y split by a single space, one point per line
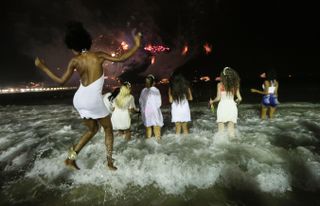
154 49
185 50
207 48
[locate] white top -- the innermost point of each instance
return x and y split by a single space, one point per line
150 103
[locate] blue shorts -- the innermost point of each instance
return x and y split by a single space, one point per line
270 100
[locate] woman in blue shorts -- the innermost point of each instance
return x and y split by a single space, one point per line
270 94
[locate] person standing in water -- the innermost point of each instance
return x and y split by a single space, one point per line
179 94
150 103
88 99
270 95
227 89
123 106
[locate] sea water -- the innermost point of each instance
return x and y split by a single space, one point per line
270 162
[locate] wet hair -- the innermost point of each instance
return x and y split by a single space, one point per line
150 80
271 75
179 87
230 80
77 38
114 94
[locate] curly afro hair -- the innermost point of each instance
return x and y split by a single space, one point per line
77 38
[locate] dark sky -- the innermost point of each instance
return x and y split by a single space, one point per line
250 36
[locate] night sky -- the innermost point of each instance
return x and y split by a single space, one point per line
250 36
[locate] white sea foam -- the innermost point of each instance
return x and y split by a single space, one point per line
267 156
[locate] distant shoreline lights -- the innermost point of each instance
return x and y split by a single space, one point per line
37 89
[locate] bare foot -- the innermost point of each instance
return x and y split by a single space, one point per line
71 164
110 165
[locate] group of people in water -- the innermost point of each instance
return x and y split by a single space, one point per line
112 110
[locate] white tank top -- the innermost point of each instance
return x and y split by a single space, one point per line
271 88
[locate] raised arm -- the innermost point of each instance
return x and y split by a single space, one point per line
61 80
105 56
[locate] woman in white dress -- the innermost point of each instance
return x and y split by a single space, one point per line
179 95
123 105
150 103
227 89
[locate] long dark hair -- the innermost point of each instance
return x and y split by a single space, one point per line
77 38
114 94
271 75
230 80
179 87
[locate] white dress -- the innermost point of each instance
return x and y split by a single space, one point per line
180 111
88 100
227 108
121 116
150 103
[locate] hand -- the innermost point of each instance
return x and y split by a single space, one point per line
39 63
211 101
253 90
238 101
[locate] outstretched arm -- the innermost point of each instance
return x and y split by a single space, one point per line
61 80
105 56
264 92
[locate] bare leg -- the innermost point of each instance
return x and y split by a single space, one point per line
220 127
107 126
178 127
148 132
271 112
127 134
185 128
157 132
92 130
264 112
231 129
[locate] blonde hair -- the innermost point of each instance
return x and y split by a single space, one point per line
123 97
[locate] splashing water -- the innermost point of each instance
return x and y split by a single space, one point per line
273 162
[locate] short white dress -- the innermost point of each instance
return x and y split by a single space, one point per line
88 100
227 108
180 111
150 103
120 118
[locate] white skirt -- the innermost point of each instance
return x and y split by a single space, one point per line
180 111
227 111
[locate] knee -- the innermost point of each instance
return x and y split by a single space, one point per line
94 130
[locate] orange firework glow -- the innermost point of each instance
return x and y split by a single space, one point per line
205 78
153 59
124 45
207 48
164 81
185 50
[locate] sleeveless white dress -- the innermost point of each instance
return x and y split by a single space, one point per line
120 118
88 100
180 111
227 108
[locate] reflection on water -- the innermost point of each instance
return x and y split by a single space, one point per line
273 162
